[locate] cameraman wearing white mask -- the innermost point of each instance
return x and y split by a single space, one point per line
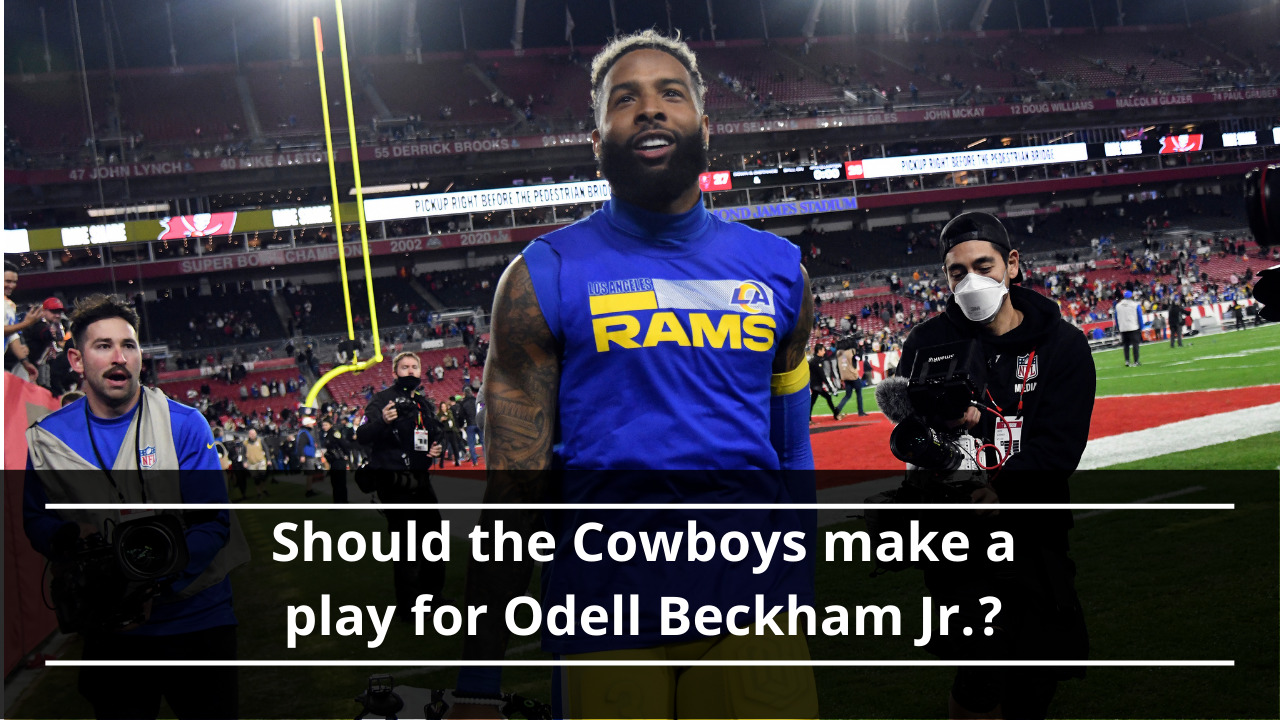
1033 425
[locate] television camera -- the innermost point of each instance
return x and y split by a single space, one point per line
103 583
942 463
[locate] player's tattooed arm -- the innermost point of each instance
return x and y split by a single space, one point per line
793 348
521 384
521 381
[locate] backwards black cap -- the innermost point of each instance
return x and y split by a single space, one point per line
973 226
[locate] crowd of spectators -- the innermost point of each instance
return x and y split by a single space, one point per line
230 327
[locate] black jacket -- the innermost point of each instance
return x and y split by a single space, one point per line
817 373
1057 405
1057 402
391 446
337 446
468 413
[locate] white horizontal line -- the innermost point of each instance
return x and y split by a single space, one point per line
1162 496
639 506
642 663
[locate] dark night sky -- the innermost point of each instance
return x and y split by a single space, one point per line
202 28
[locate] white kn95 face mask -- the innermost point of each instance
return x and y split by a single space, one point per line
980 297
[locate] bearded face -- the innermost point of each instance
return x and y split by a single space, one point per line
652 141
653 182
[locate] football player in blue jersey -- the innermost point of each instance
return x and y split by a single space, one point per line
123 443
650 335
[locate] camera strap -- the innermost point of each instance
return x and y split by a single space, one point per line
137 448
1008 431
1026 376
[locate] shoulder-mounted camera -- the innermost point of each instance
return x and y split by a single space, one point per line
103 583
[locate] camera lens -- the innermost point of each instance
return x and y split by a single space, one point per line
147 551
914 442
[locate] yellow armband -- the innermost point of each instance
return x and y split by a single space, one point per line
791 381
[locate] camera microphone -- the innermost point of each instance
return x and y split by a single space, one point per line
892 397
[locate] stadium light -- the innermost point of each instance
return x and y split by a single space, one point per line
135 209
14 242
398 187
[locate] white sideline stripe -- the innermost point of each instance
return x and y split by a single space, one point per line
1153 498
643 663
1182 435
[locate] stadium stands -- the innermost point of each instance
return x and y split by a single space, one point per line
427 89
472 287
188 392
560 89
352 388
444 94
209 321
764 75
1238 43
878 64
182 107
287 99
398 304
47 111
1054 58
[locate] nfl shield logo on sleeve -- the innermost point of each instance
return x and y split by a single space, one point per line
147 457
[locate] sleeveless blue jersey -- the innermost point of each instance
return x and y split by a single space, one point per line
667 328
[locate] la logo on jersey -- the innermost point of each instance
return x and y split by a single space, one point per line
147 457
751 297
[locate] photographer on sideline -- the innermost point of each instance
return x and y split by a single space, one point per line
849 362
1039 396
162 452
337 450
401 432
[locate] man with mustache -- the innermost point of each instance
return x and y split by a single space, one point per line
122 443
651 335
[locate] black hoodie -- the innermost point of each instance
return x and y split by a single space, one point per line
1056 405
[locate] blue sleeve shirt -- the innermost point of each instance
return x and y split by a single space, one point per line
202 481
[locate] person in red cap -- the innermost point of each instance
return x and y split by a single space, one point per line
44 339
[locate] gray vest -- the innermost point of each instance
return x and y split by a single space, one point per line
69 478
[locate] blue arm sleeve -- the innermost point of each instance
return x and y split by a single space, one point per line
789 430
789 435
1139 311
201 476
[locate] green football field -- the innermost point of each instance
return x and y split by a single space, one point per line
1154 585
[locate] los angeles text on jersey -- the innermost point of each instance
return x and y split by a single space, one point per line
647 312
